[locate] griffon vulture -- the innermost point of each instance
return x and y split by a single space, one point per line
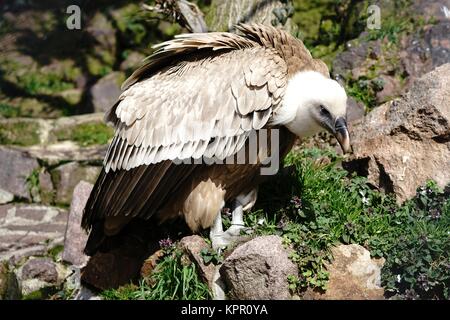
200 96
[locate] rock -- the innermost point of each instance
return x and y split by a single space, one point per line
193 245
67 151
20 167
106 91
76 237
391 88
258 270
348 63
353 276
431 9
46 190
5 196
397 63
404 143
102 30
67 176
43 269
355 110
29 230
150 263
40 277
105 41
9 286
422 54
20 131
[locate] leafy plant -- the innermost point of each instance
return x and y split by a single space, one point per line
211 256
364 90
418 262
320 205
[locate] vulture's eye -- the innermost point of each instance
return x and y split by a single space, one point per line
324 112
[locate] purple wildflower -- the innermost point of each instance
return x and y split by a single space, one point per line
165 243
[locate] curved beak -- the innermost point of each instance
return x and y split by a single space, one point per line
341 134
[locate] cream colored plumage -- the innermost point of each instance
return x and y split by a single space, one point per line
199 95
172 114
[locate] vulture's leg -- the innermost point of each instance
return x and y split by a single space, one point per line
243 202
222 239
216 234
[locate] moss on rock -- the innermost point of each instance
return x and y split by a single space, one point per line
86 134
21 133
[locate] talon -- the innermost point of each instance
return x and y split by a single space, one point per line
221 240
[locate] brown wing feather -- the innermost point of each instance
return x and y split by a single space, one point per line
165 111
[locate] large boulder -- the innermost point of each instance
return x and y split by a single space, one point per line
402 144
258 269
76 237
354 275
15 180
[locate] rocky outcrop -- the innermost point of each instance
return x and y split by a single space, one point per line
353 275
379 66
258 270
404 143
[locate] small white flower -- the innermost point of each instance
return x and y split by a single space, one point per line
261 221
399 278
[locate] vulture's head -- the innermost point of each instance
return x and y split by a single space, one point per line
314 103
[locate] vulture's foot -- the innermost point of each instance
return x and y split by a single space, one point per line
220 239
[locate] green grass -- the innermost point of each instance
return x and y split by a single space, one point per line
21 133
34 83
175 278
86 134
319 206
